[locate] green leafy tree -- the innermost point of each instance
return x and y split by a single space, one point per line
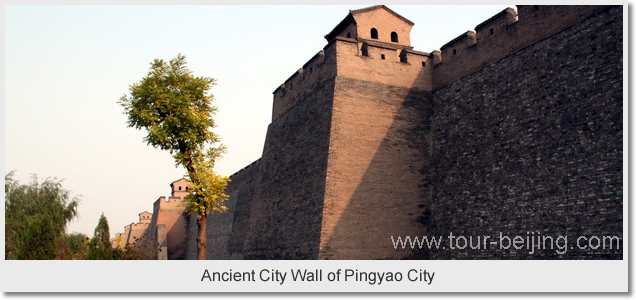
77 244
131 253
176 109
100 246
39 241
28 206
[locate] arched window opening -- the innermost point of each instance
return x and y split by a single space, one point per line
179 188
394 37
374 33
349 34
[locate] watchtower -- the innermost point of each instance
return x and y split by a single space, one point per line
375 24
345 146
145 217
181 188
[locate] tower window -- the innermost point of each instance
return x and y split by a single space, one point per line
179 188
492 31
454 51
374 33
382 56
394 37
423 64
349 34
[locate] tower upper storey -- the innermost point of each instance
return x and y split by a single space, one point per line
374 24
181 187
145 217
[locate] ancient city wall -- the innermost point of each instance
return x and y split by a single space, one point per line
137 234
287 207
501 35
531 144
512 129
169 212
227 230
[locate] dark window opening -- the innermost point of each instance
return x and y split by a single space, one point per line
454 51
492 31
374 33
382 56
179 188
394 37
423 64
349 34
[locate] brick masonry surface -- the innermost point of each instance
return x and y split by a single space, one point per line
533 144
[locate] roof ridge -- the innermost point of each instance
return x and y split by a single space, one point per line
370 8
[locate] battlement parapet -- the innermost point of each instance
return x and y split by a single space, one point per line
139 225
303 80
328 62
168 203
465 40
498 21
501 35
243 176
384 63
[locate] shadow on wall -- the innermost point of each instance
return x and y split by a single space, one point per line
378 175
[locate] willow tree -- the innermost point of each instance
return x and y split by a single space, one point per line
36 215
176 109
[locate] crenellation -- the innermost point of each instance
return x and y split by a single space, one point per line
316 59
364 60
236 175
245 174
417 59
379 51
503 34
458 46
496 23
312 73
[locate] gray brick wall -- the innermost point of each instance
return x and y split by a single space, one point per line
533 143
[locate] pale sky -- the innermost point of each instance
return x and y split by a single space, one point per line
66 67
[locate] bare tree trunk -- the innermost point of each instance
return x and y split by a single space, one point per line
202 237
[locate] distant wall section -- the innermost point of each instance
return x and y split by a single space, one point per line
227 230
